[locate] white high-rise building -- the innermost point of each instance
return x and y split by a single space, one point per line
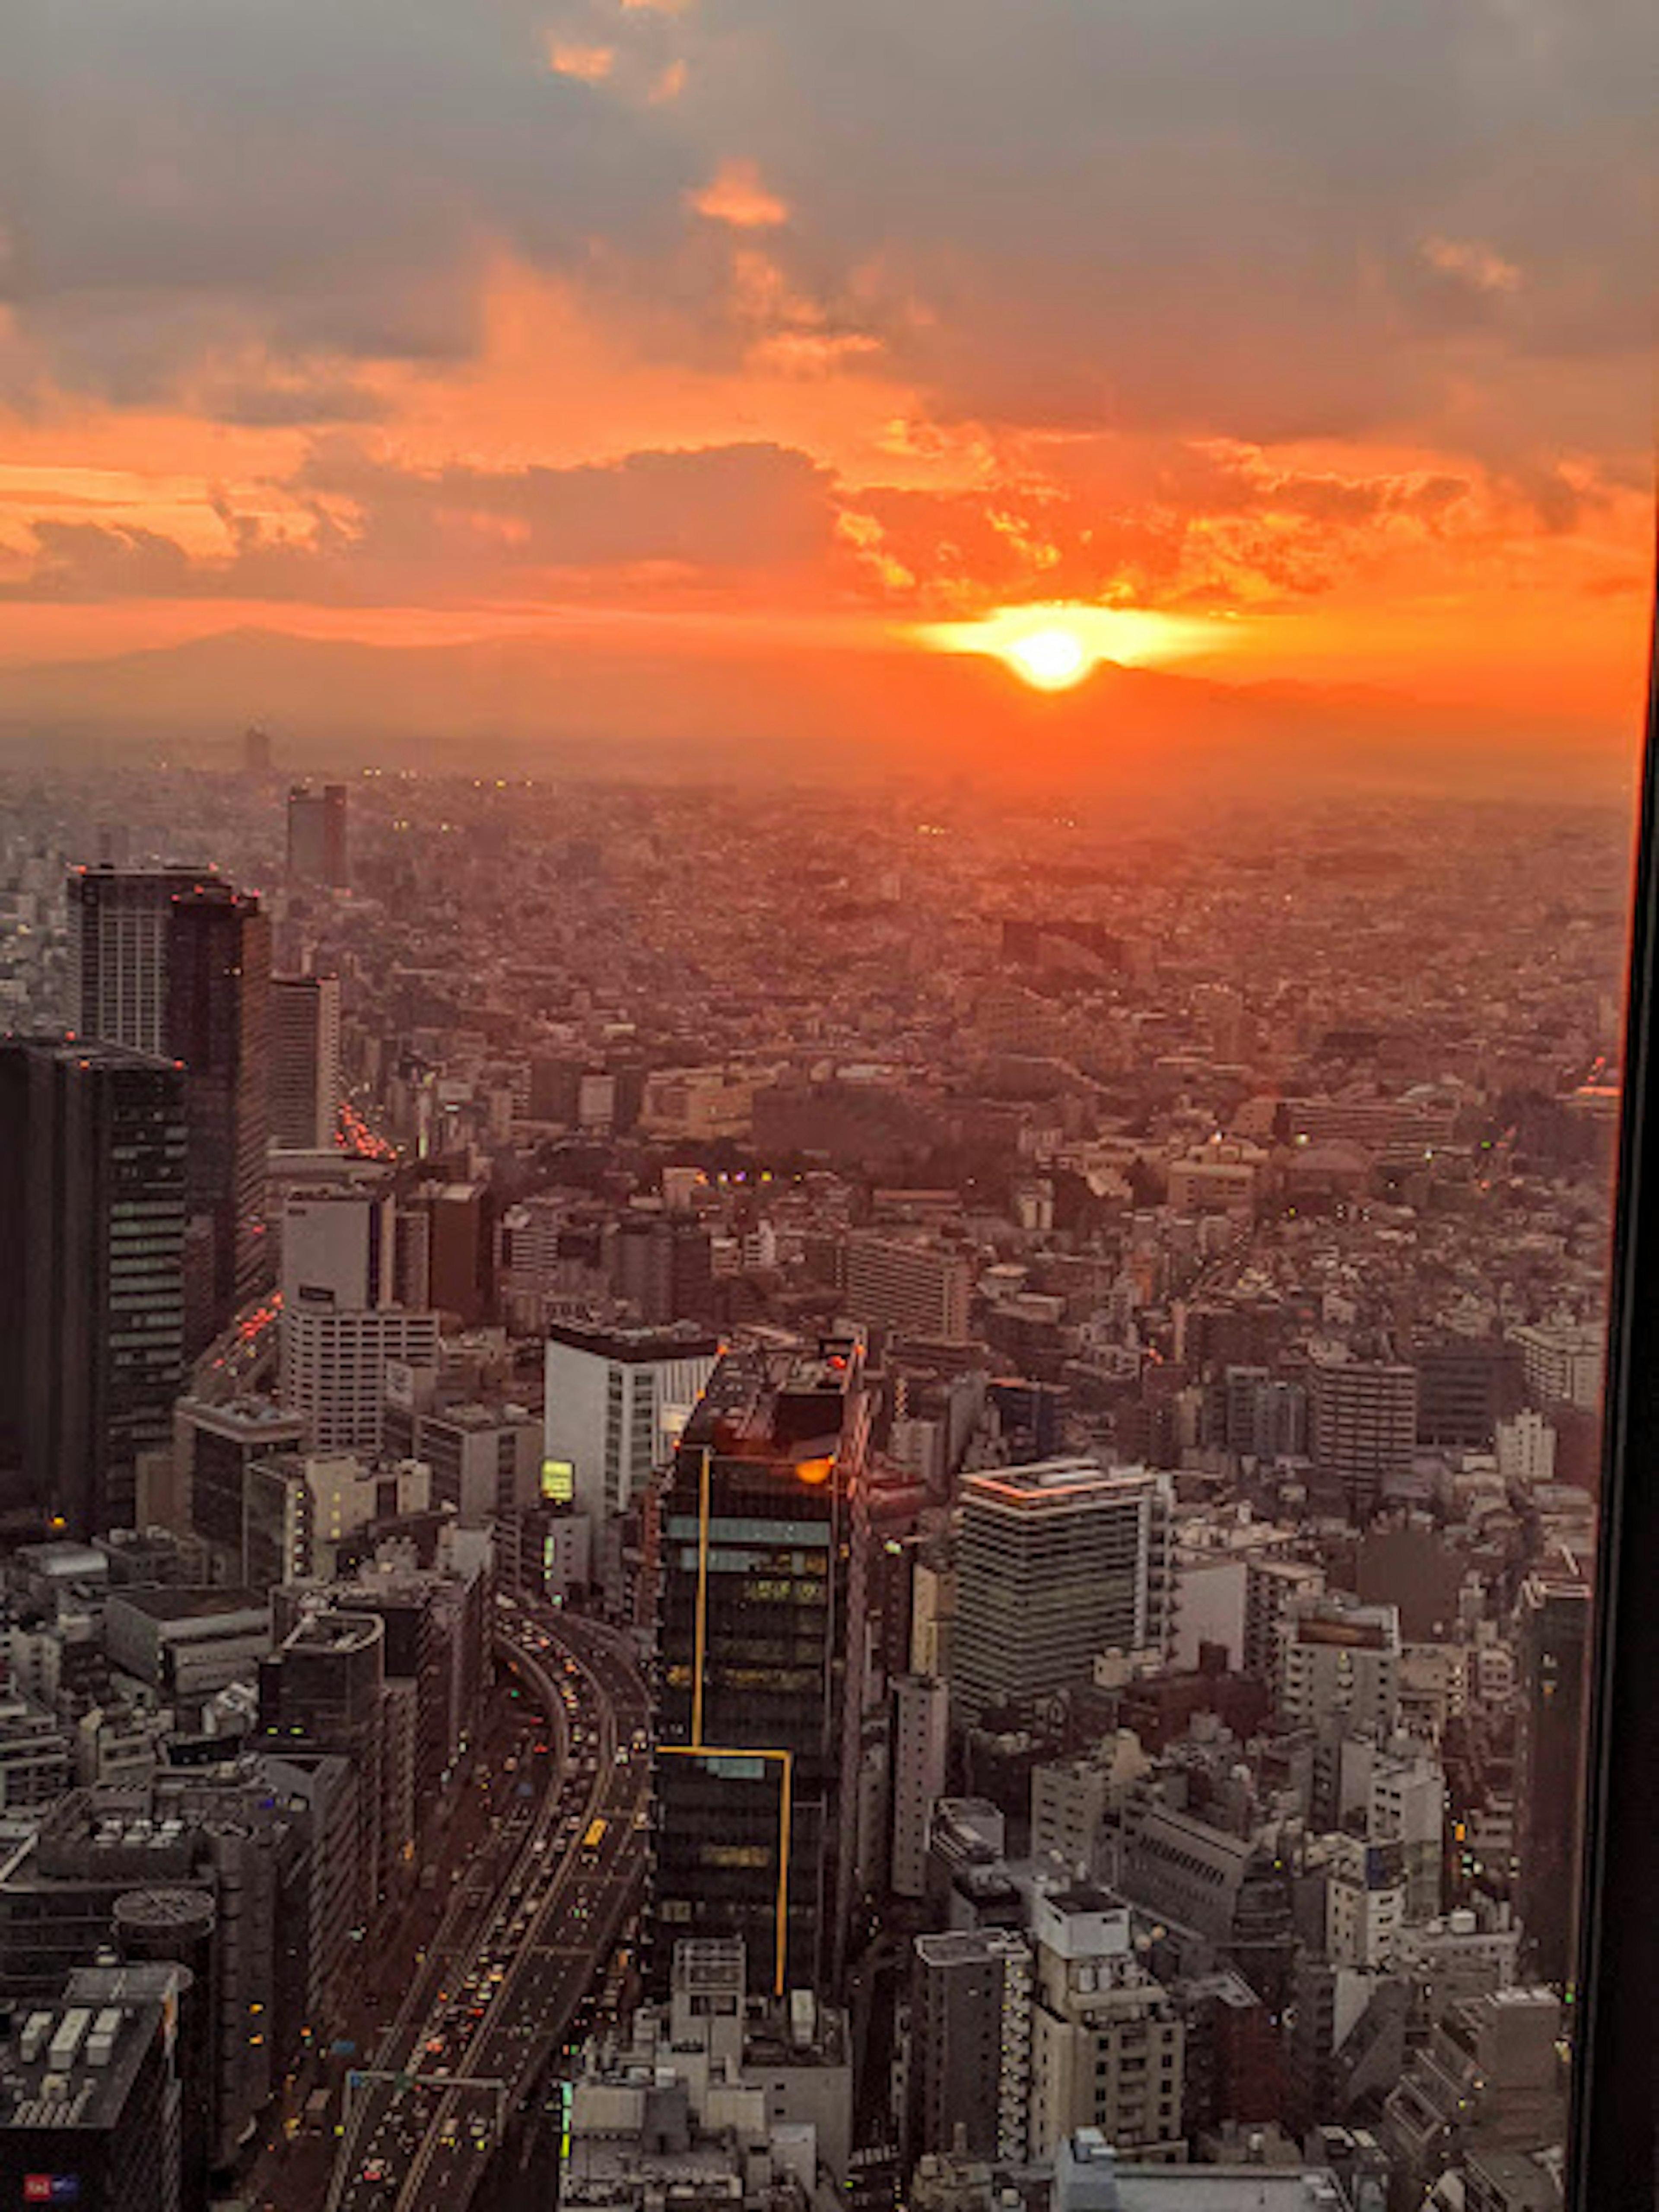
1056 1563
616 1399
338 1247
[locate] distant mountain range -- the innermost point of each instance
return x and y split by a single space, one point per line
796 714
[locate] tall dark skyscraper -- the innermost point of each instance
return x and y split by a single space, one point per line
177 960
1554 1627
756 1522
119 920
93 1187
304 1061
218 999
317 835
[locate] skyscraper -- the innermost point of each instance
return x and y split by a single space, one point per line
1057 1563
218 979
304 1061
1554 1627
119 920
317 835
176 961
93 1187
753 1637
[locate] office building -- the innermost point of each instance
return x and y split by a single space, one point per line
316 836
663 1267
1362 1428
338 1245
90 2102
218 980
448 1250
485 1462
175 961
120 924
213 1448
93 1180
970 2031
1564 1364
1465 1386
913 1289
187 1644
616 1400
334 1369
322 1694
1340 1676
304 1061
753 1637
1057 1563
1553 1635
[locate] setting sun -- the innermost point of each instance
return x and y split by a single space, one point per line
1052 660
1054 647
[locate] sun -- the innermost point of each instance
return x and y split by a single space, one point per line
1053 647
1052 658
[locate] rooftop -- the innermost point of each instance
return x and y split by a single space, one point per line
174 1604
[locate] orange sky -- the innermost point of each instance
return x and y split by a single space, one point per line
662 317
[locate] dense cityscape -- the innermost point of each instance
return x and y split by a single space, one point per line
725 1496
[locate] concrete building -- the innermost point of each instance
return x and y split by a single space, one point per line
913 1289
1362 1427
715 2098
334 1369
93 1196
485 1461
338 1244
1564 1364
213 1448
90 2097
616 1400
921 1750
1107 2039
187 1644
304 1061
1057 1563
970 2040
1340 1668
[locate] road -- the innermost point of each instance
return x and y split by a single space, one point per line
242 1356
467 2051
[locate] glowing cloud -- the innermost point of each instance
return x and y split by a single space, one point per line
588 64
736 195
1474 264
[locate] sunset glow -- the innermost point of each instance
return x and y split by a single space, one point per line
758 402
1052 659
1055 647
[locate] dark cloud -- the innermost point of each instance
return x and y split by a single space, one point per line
1269 222
363 531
